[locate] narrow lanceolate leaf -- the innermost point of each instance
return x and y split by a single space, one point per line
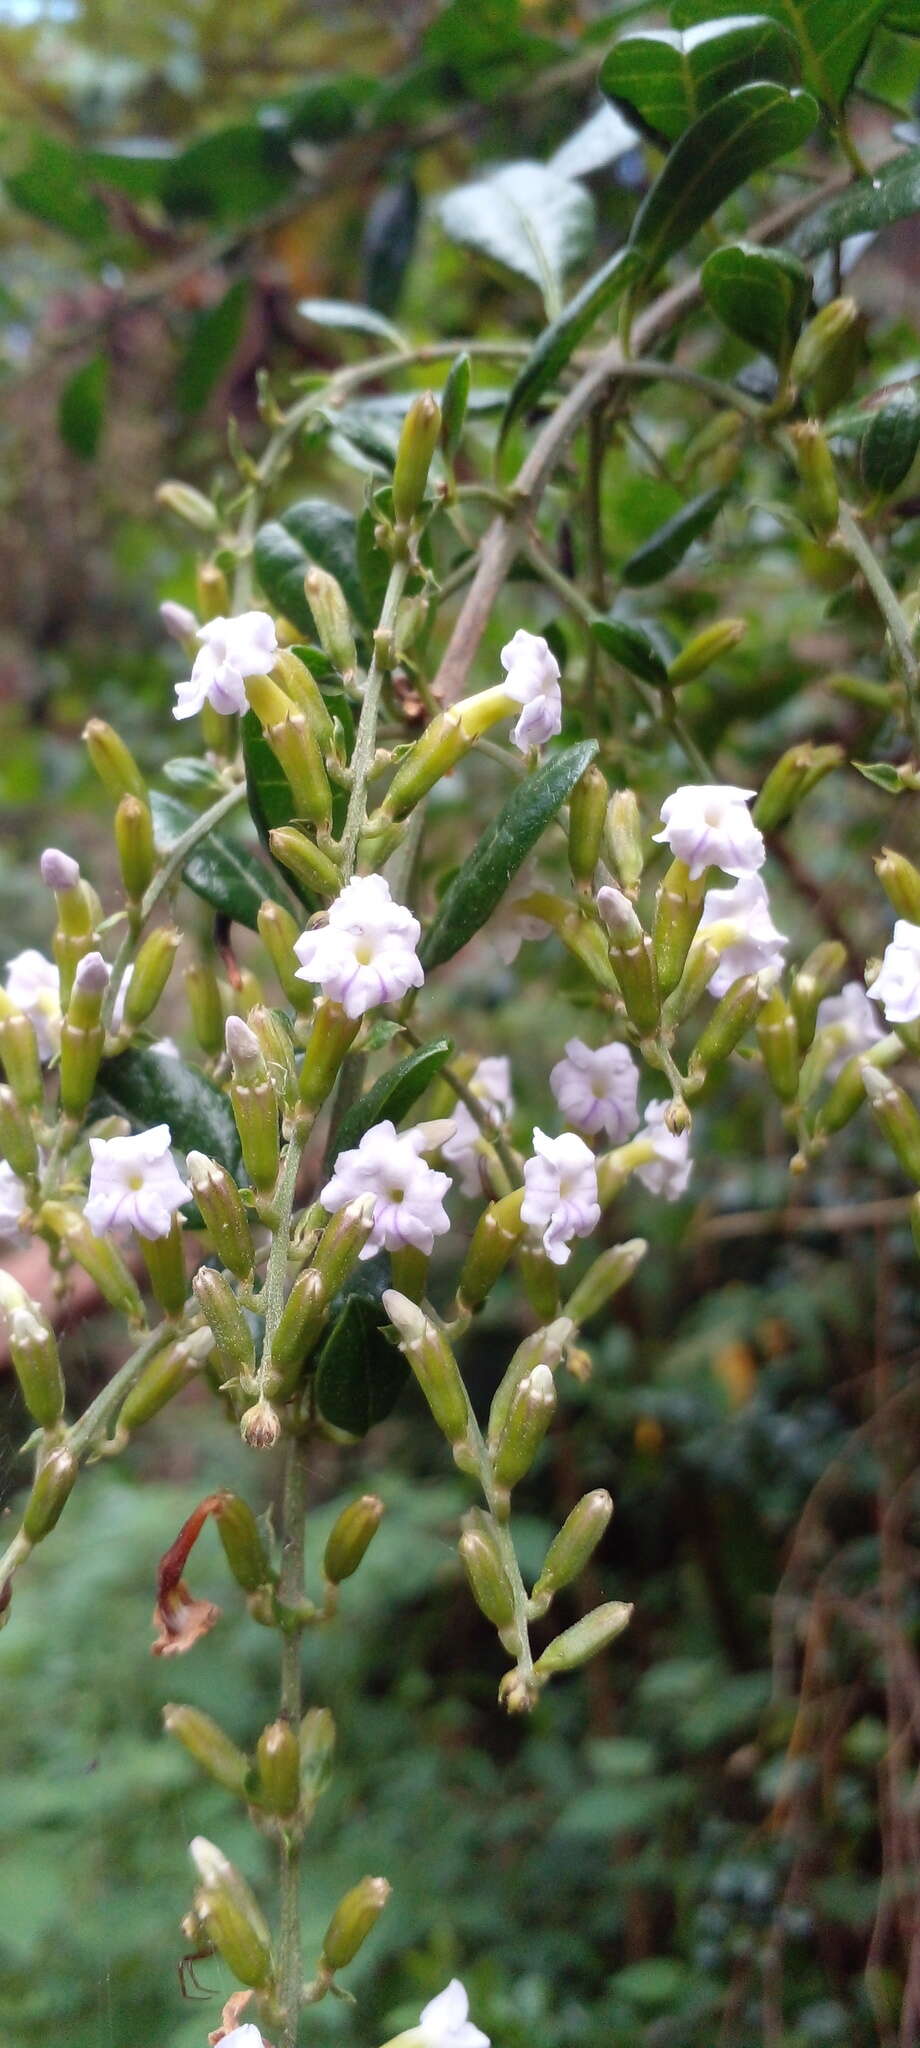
225 874
527 219
669 545
633 648
892 193
482 880
664 78
211 345
832 36
747 130
560 339
154 1088
270 799
359 1375
309 534
81 408
393 1095
347 318
761 295
890 443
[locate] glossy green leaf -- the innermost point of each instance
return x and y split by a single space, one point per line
220 870
52 185
359 1375
270 800
889 445
560 339
633 648
135 167
665 78
323 111
528 220
832 36
481 882
211 346
346 318
747 130
388 243
155 1088
883 775
892 193
761 295
312 532
659 555
81 408
230 174
393 1095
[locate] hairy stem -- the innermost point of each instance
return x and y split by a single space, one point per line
291 1590
366 736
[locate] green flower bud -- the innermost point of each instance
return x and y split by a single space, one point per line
78 910
820 495
576 1542
152 970
427 1350
278 931
587 817
734 1012
417 443
779 1045
17 1138
632 959
206 1009
496 1235
113 761
242 1543
21 1063
819 345
849 1091
98 1256
578 1644
609 1272
454 399
188 504
212 591
54 1483
303 1320
254 1105
34 1354
134 840
164 1259
815 979
897 1116
354 1919
83 1035
327 602
678 910
529 1418
218 1198
312 868
305 691
317 1748
295 745
210 1747
901 883
705 648
438 749
225 1318
623 838
790 779
547 1347
481 1558
351 1536
278 1760
231 1916
164 1375
332 1035
578 933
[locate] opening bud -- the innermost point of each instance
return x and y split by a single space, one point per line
632 959
577 1645
218 1198
417 443
210 1747
180 623
54 1483
433 1363
576 1542
254 1104
350 1537
82 1034
58 871
113 761
355 1917
231 1916
278 1760
529 1417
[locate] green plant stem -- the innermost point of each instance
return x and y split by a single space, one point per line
271 1297
291 1593
507 1551
366 735
172 865
863 554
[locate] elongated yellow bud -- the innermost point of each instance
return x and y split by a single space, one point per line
113 761
278 1760
433 1363
577 1645
231 1915
205 1740
350 1537
417 443
575 1544
480 1555
355 1917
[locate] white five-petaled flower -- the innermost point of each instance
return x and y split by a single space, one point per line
708 825
408 1193
33 984
897 984
532 679
491 1085
445 2021
596 1089
365 952
853 1021
669 1172
135 1184
12 1200
560 1199
758 948
230 650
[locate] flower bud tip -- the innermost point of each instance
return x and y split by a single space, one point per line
92 974
59 870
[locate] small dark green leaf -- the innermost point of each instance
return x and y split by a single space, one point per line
210 347
310 533
154 1088
559 340
747 130
230 174
482 880
883 775
526 219
393 1095
761 295
633 648
138 168
359 1375
669 545
892 193
218 869
832 36
81 408
891 440
664 78
53 187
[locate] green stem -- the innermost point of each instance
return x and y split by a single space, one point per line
291 1593
366 736
271 1298
857 545
507 1551
172 865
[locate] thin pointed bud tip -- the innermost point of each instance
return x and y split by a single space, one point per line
58 870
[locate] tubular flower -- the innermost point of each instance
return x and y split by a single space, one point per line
135 1184
408 1193
12 1201
33 984
365 952
854 1023
708 825
596 1089
491 1084
758 948
445 2021
669 1172
532 679
560 1200
897 984
231 650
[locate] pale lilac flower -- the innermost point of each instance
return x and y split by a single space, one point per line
897 984
708 825
34 985
408 1193
758 948
243 2037
491 1085
510 937
365 952
533 680
669 1172
853 1021
59 870
231 650
179 622
12 1200
135 1184
596 1089
445 2021
560 1200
